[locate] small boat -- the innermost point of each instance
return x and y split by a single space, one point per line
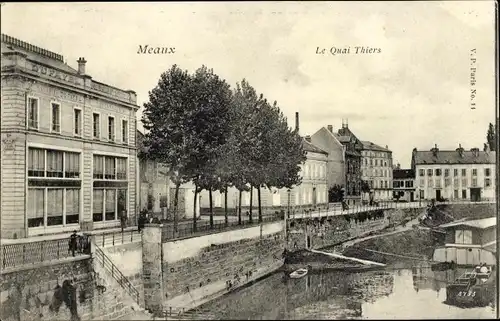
298 273
476 288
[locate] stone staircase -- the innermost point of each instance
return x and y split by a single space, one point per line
108 273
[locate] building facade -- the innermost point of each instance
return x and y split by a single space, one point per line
68 145
310 194
156 192
376 170
327 140
454 175
403 185
352 166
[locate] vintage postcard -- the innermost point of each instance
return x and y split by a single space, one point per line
249 160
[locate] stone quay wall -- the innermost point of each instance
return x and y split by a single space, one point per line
32 293
188 272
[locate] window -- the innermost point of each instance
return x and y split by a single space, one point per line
56 118
409 184
77 118
49 163
437 172
487 172
36 207
98 167
487 182
422 182
474 182
455 172
429 172
55 163
32 113
96 125
124 131
464 193
446 172
430 182
438 183
455 182
385 164
474 172
376 162
463 236
464 172
447 182
110 167
455 193
98 205
464 182
56 213
371 162
72 165
421 172
111 128
36 162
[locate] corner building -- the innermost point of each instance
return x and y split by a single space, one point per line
68 146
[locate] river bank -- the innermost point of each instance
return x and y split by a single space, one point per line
415 244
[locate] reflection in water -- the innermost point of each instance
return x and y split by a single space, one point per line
415 292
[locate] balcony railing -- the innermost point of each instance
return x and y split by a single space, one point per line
31 253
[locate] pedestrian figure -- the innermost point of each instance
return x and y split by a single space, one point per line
141 222
73 241
123 220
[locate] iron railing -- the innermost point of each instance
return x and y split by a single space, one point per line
117 238
30 253
116 274
204 227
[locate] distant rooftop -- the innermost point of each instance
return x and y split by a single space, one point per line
402 174
309 147
371 146
454 157
29 47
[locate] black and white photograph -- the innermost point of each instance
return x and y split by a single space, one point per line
271 160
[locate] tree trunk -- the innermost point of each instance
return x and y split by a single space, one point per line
176 203
226 219
194 207
211 208
239 208
260 205
251 205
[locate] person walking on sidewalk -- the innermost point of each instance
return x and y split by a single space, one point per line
123 220
73 241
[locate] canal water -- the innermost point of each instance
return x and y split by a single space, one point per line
398 292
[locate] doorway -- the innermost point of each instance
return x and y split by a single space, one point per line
475 194
438 194
412 197
314 197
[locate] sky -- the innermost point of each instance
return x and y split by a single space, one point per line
415 92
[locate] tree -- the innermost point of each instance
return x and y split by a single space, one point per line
212 116
490 137
336 194
171 137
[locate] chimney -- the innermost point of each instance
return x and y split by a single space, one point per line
386 147
460 150
330 128
297 121
81 65
308 138
435 150
475 151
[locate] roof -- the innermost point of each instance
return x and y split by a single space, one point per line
371 146
480 224
52 59
309 147
402 173
453 157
